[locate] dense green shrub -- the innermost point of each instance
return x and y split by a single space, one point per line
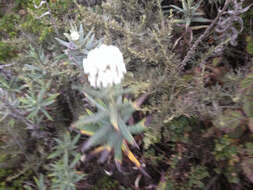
200 135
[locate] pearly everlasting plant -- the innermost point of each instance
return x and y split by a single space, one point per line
104 66
109 128
78 44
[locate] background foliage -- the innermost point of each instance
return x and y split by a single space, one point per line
200 135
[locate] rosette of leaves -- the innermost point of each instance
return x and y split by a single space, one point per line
78 49
108 127
190 14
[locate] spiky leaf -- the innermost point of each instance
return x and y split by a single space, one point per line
87 119
98 138
126 134
138 127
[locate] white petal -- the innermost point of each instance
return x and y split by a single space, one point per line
105 66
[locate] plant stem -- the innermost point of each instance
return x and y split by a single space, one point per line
191 52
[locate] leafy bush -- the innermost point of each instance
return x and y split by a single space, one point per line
200 101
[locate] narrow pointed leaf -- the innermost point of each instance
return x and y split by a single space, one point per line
90 43
105 154
118 164
200 19
81 31
114 116
46 114
138 127
177 8
137 103
87 36
94 102
126 134
88 129
127 109
75 140
112 141
98 138
76 159
66 44
118 154
130 155
94 118
185 7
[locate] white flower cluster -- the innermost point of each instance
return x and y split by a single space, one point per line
104 66
74 35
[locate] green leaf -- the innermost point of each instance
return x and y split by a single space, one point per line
126 110
118 153
76 159
126 134
94 118
200 19
112 140
179 21
75 140
93 101
114 116
187 21
177 8
138 128
185 6
98 138
64 43
46 114
87 37
88 129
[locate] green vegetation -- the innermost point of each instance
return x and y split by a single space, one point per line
182 119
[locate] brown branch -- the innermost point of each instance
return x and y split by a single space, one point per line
191 52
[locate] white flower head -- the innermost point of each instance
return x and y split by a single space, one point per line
74 35
105 66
